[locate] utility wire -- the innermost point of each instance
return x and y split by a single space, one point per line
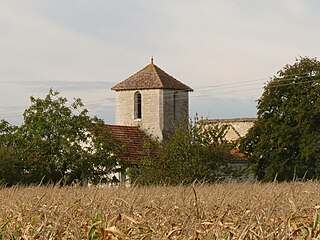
275 84
256 81
207 94
210 91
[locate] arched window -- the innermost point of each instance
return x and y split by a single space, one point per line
175 95
137 105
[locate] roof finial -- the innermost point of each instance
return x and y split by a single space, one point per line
151 59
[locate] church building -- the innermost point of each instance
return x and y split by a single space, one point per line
149 104
152 100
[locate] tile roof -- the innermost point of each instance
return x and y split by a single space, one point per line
151 77
133 140
228 120
238 155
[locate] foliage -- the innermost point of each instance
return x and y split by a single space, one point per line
10 166
284 142
195 153
56 142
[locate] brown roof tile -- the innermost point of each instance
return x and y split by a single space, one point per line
133 140
151 77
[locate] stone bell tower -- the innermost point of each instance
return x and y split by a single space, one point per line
153 100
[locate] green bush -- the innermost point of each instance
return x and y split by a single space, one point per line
194 153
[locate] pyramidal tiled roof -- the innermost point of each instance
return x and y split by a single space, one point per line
151 77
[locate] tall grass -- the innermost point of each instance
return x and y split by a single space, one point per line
219 211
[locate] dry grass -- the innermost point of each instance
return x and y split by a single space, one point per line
220 211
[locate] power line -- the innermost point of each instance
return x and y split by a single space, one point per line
256 81
275 84
207 94
239 90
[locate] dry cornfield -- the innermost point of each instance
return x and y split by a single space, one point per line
218 211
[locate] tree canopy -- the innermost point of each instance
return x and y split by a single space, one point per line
56 142
195 153
284 142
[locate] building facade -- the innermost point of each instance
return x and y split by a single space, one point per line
233 129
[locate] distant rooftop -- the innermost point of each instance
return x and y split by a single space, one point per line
151 77
233 128
229 120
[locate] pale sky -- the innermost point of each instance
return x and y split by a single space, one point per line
225 50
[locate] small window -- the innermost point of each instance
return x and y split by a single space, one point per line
137 105
175 105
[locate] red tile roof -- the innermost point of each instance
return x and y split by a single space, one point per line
151 77
237 155
133 140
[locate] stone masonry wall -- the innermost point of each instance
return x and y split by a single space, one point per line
181 117
151 110
157 110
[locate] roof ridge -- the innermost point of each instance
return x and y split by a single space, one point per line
155 67
117 125
229 120
164 72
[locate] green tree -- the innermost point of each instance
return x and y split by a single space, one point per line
59 142
195 153
10 166
284 142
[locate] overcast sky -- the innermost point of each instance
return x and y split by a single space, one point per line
225 50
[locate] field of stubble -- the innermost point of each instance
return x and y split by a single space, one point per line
219 211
